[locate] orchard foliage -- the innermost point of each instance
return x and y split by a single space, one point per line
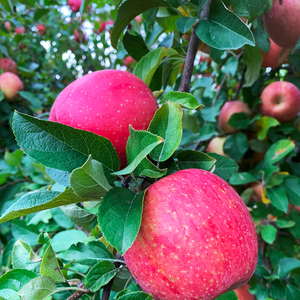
68 212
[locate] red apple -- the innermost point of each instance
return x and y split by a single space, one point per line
128 61
205 57
275 57
138 19
197 239
282 22
216 145
20 30
106 102
281 100
7 25
41 29
74 5
10 85
8 65
228 109
257 191
243 293
80 36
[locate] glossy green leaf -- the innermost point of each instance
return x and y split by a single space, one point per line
185 100
268 233
184 24
12 281
190 159
136 296
278 151
281 223
135 45
222 22
147 66
265 123
84 5
89 180
241 178
167 123
286 265
13 158
292 293
252 58
236 145
120 216
88 254
139 145
228 296
224 167
126 13
40 200
62 147
278 198
253 8
99 275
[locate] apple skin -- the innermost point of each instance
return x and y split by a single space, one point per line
74 5
216 145
128 61
282 23
7 25
275 57
10 85
257 191
196 241
243 293
105 103
280 100
80 36
41 29
138 19
20 30
228 109
8 65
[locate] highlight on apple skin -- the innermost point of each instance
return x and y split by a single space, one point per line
216 145
8 65
10 85
282 22
275 57
196 241
20 30
281 100
227 110
106 102
41 29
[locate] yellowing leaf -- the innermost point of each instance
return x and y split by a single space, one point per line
264 197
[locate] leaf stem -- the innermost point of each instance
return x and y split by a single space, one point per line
74 271
136 183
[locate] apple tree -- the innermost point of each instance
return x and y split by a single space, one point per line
169 169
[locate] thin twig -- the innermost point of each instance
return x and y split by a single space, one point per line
241 84
78 294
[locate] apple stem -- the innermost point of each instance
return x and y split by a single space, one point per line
185 83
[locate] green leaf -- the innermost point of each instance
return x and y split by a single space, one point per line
28 233
64 239
13 159
185 100
286 265
99 275
7 5
12 281
147 66
40 200
61 177
184 24
31 98
119 217
224 167
223 23
278 198
50 266
239 120
236 145
40 13
190 159
84 5
60 146
268 233
265 123
23 257
253 8
139 145
228 296
278 151
252 58
78 215
135 45
127 11
88 254
136 296
39 288
89 180
292 189
167 123
281 223
1 96
292 293
241 178
148 169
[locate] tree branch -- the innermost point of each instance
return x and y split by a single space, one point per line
185 83
78 294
